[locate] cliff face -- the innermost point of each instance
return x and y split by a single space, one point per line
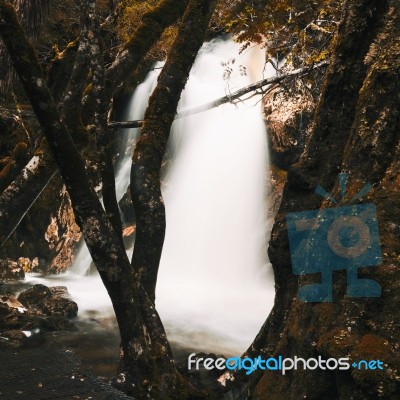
354 130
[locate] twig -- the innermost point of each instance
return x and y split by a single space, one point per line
228 98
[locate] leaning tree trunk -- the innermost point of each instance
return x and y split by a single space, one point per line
19 197
355 130
152 144
138 333
102 241
145 174
147 369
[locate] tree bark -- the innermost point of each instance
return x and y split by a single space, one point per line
353 131
143 39
152 144
71 104
147 369
103 139
103 243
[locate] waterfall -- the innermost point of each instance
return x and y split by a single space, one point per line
215 288
215 285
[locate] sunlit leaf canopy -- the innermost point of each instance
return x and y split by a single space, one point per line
298 30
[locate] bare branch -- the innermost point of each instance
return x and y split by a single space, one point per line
228 98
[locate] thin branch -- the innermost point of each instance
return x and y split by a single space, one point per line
126 124
228 98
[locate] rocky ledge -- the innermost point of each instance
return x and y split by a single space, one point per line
40 309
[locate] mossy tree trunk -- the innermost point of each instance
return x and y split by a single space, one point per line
152 144
16 200
147 368
355 130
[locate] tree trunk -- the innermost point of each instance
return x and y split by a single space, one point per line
143 39
147 34
152 144
147 369
102 241
353 131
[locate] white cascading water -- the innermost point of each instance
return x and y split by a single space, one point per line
215 286
214 291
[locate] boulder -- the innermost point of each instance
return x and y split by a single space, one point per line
49 301
24 321
35 295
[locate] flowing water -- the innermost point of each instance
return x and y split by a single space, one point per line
215 285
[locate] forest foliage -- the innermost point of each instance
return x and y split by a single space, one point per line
298 31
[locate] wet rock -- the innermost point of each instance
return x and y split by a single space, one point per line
60 291
61 306
11 331
34 295
12 302
48 235
5 311
287 117
49 301
24 321
27 264
12 338
10 271
62 235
